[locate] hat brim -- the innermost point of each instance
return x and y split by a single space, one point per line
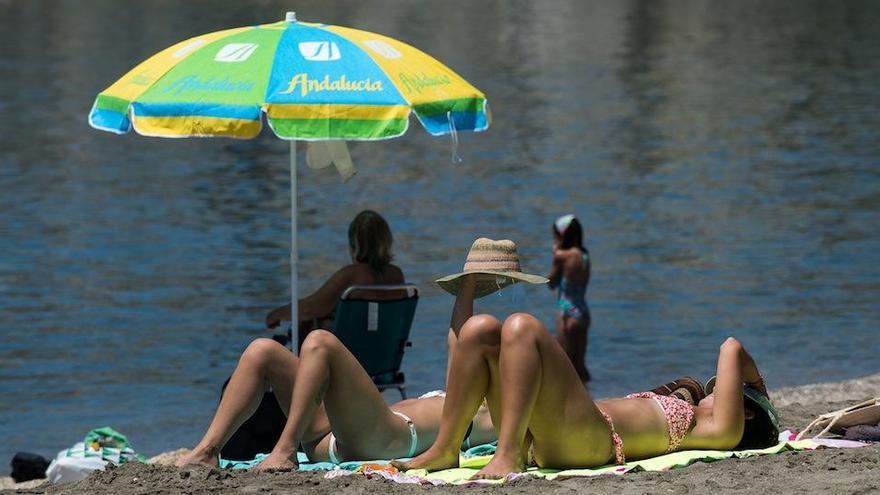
495 281
757 399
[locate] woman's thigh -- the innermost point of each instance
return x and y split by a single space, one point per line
360 418
567 427
281 366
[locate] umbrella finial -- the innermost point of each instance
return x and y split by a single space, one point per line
290 17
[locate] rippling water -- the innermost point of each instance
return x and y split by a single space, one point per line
723 156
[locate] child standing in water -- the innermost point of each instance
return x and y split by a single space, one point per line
570 274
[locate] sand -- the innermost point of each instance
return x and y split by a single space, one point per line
827 470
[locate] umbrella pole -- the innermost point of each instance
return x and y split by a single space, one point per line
294 253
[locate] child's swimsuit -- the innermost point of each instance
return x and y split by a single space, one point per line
679 420
572 298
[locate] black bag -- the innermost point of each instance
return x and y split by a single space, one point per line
27 466
257 435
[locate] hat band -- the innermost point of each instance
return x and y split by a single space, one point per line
492 265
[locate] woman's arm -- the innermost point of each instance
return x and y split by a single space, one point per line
726 423
317 304
555 270
462 310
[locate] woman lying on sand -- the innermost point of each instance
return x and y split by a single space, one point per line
548 418
333 408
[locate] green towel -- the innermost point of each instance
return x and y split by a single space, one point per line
469 466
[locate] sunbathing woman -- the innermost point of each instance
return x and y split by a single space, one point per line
543 409
333 408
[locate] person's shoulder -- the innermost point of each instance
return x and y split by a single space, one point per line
567 253
348 272
394 274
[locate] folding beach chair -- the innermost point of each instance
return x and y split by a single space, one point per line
373 322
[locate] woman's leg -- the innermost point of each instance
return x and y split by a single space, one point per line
470 380
362 422
264 363
542 394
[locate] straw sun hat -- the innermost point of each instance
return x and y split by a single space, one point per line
497 265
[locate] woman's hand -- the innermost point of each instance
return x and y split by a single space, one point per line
759 385
273 319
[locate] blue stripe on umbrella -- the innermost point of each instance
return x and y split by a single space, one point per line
315 52
243 112
437 125
109 120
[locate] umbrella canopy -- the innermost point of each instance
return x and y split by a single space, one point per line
313 82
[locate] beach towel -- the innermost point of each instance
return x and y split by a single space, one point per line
347 466
470 465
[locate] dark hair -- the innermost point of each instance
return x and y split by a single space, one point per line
369 238
573 235
759 432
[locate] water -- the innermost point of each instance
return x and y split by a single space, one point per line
723 157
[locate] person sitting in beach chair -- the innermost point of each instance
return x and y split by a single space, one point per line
369 243
547 417
333 409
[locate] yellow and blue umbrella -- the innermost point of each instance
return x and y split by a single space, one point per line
313 82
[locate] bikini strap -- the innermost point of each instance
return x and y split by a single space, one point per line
619 457
414 435
331 449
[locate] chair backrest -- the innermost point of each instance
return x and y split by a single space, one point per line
373 322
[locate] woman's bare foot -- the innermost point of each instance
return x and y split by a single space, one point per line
431 459
277 462
499 467
203 456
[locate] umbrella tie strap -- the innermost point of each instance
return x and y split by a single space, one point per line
454 133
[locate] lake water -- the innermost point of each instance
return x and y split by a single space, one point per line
723 156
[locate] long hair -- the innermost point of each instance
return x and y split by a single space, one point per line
758 432
369 238
569 229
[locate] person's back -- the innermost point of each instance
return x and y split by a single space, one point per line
575 271
369 241
363 274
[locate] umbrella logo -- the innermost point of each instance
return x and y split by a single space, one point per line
383 49
319 51
235 52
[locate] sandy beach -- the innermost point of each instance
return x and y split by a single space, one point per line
825 470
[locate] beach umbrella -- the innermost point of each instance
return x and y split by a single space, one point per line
313 82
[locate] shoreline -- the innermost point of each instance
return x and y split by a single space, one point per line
838 470
847 390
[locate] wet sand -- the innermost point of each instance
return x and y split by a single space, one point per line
826 470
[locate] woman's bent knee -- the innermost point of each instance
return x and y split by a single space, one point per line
319 340
519 326
480 328
261 349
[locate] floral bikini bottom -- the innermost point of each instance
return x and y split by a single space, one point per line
679 419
